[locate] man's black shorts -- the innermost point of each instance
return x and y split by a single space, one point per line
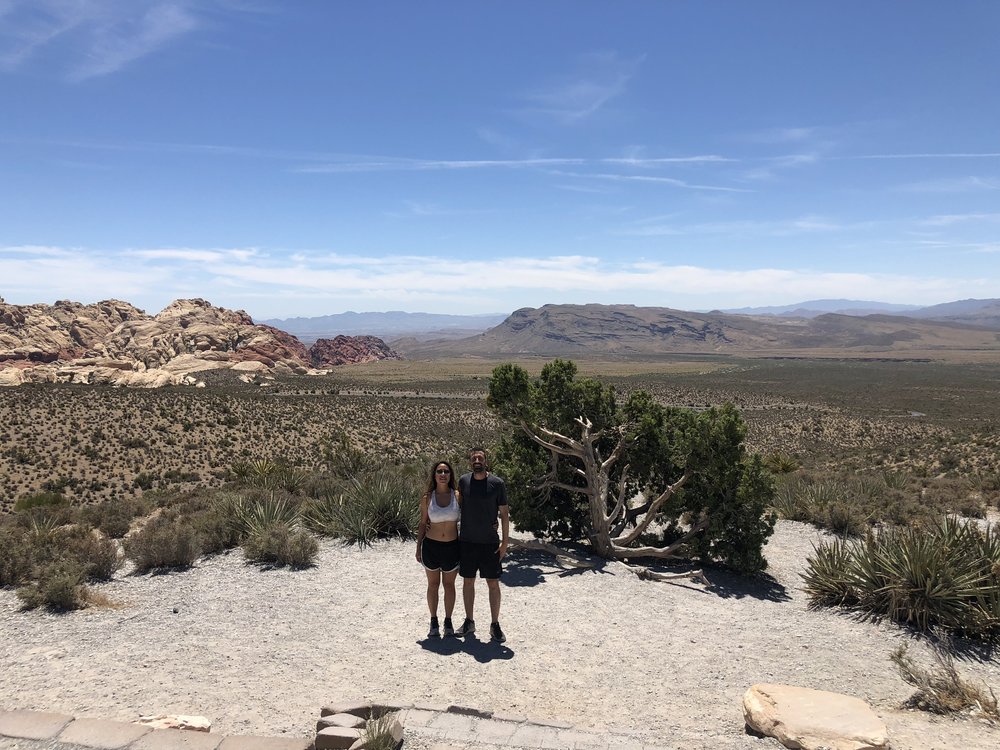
439 555
481 558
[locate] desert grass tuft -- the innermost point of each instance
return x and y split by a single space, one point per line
941 689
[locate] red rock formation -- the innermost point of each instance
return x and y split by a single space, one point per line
114 342
350 350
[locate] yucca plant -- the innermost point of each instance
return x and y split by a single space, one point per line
379 506
253 514
947 576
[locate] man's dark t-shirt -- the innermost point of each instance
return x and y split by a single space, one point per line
481 501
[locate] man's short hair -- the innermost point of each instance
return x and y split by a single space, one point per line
477 449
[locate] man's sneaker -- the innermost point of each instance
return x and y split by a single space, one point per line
468 627
496 634
435 631
449 630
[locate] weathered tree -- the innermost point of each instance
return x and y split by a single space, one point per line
636 481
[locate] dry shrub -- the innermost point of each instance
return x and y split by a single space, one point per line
114 517
166 541
281 544
377 734
58 586
941 689
18 558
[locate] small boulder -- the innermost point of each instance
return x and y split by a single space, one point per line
813 719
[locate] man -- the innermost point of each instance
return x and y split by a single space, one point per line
484 496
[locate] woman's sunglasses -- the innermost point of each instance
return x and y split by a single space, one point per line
442 471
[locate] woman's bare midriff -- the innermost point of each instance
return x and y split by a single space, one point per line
444 531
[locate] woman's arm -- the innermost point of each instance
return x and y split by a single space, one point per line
422 526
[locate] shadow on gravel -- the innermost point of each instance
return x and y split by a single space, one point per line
481 651
727 585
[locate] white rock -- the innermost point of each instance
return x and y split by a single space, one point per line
179 721
813 719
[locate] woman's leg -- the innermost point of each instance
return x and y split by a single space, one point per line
448 580
433 582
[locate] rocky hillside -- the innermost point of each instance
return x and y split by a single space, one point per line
112 342
626 330
348 350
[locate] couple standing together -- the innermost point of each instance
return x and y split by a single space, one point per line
458 536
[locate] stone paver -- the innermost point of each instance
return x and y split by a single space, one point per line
102 734
32 725
455 726
265 743
178 739
532 735
417 717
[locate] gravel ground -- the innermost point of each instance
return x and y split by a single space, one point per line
258 652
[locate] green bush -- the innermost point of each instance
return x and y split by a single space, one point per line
945 576
377 506
39 500
281 544
58 586
166 541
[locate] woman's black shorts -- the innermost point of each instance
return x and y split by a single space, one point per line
440 555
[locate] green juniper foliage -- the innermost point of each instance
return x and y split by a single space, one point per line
726 494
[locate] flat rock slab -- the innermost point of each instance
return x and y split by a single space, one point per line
336 738
177 739
340 720
32 725
102 734
813 719
265 743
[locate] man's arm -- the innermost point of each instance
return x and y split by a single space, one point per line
505 529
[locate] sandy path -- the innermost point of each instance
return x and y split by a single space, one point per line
260 652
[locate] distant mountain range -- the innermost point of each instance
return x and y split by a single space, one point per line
421 327
626 330
387 325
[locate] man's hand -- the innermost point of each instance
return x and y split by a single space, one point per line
502 550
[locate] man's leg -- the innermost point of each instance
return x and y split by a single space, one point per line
494 586
469 596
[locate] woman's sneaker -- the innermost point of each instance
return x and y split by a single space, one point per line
435 631
468 627
449 630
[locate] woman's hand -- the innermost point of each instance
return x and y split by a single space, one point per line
420 555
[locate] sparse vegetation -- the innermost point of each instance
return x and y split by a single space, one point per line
946 576
941 689
376 506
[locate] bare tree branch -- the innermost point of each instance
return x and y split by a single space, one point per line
660 552
651 513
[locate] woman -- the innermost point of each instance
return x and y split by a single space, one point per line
437 542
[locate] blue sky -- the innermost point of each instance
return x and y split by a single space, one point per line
314 157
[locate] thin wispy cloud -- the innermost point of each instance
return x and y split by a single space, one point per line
945 220
967 184
650 179
781 135
573 97
423 165
657 227
92 38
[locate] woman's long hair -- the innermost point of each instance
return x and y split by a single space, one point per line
432 483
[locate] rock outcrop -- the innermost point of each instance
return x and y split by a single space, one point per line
349 350
813 719
114 343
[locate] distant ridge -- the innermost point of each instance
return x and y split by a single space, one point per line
977 312
627 330
387 325
812 308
